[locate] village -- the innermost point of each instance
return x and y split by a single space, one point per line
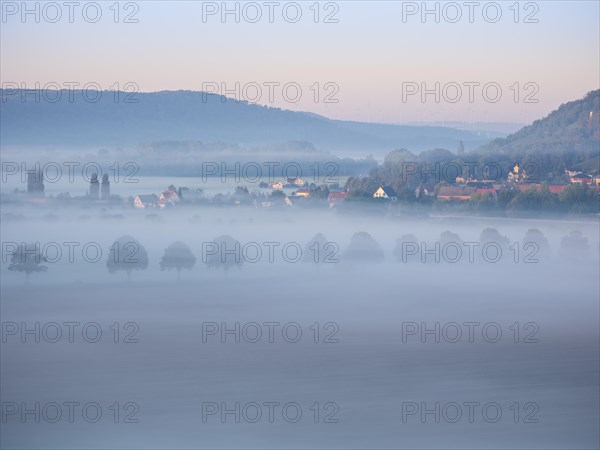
292 192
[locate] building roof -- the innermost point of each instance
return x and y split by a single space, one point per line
152 198
485 190
389 191
556 188
168 194
456 191
480 184
553 188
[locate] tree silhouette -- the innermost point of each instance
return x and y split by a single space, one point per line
27 258
492 236
224 252
574 246
404 243
177 256
541 246
94 187
364 248
451 247
127 254
448 237
319 250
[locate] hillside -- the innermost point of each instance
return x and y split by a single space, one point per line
571 132
194 116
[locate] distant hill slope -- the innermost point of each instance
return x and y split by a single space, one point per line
574 128
187 115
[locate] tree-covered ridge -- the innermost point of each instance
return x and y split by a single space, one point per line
571 134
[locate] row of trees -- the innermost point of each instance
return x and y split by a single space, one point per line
576 198
128 255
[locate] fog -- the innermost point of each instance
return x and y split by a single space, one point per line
299 225
368 343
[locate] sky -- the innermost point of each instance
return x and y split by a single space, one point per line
351 60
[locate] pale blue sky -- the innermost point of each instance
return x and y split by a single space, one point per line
368 54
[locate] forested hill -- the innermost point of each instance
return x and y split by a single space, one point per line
114 120
570 134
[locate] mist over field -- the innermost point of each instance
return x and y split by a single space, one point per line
299 225
367 360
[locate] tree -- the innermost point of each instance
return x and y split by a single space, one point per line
27 258
579 198
483 203
277 194
177 256
489 235
407 249
241 194
505 196
396 161
364 248
94 187
491 238
574 246
451 247
319 250
531 201
448 237
536 244
127 254
223 252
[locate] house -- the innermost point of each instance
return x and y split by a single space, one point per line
456 192
276 185
303 192
516 175
336 197
169 196
386 192
421 191
581 179
145 201
297 181
572 173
